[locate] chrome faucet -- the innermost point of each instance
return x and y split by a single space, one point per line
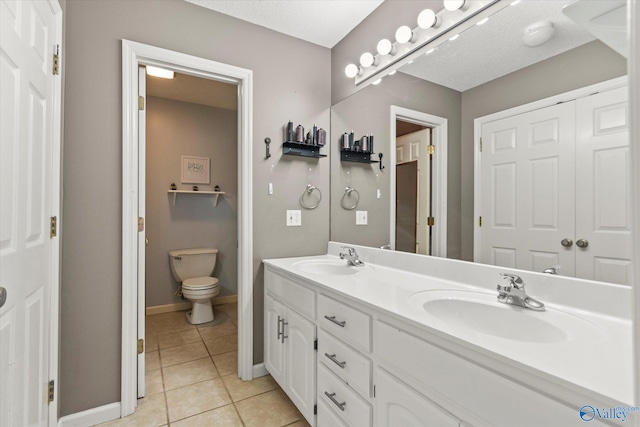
552 270
513 293
351 256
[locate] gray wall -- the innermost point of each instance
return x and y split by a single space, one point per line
585 65
368 111
92 227
175 129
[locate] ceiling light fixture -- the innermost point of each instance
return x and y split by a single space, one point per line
538 33
427 19
160 72
405 34
351 70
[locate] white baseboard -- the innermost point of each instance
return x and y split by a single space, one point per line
91 417
259 370
186 305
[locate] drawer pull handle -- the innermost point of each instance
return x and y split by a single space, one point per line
281 335
332 357
333 399
340 323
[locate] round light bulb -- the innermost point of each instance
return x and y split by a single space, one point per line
453 5
404 34
385 47
427 19
367 59
377 82
351 70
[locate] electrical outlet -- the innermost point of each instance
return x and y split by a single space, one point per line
294 218
361 217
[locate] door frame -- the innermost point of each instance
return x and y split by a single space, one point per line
133 55
525 108
439 138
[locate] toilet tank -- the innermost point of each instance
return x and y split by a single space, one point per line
189 263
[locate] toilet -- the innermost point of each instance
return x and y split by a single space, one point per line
193 268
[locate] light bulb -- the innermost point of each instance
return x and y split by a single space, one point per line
482 22
427 19
404 34
392 73
454 37
453 5
366 59
377 82
385 47
351 70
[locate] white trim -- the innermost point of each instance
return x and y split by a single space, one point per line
525 108
186 305
90 417
133 55
441 141
260 370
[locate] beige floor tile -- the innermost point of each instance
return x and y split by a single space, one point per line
151 360
177 338
271 409
221 417
211 332
153 382
219 317
231 310
188 373
299 423
151 412
169 322
197 398
150 342
222 344
240 390
183 353
226 363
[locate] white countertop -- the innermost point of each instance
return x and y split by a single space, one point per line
598 359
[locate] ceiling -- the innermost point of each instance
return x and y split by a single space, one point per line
484 53
195 90
322 22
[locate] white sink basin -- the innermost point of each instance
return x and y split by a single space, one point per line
478 312
327 267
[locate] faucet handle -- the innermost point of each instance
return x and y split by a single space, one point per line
514 280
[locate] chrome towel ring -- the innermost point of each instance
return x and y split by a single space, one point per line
307 194
347 193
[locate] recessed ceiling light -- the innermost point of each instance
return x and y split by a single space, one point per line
160 72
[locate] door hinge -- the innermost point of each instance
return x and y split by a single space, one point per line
374 390
431 149
53 227
480 221
431 221
141 102
56 61
315 409
315 344
140 346
481 144
51 386
140 223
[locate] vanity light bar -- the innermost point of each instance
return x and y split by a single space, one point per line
453 22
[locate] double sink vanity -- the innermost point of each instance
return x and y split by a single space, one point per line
400 340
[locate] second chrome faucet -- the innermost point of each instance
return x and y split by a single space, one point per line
348 253
513 293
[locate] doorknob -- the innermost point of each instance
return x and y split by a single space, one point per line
567 243
3 296
582 243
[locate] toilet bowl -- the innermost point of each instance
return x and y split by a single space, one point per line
192 268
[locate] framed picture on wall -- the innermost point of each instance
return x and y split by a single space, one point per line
196 170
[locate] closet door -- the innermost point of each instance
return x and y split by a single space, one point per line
527 187
603 194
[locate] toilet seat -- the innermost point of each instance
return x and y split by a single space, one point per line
200 283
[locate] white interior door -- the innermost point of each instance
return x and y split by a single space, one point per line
30 119
527 186
142 170
603 193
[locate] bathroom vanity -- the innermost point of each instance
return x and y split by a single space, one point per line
413 340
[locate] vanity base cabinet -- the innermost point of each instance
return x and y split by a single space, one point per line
398 405
346 403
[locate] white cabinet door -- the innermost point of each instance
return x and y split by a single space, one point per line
398 405
274 350
300 363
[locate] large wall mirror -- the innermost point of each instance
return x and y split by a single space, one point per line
427 120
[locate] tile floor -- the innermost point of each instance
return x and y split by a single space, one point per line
191 378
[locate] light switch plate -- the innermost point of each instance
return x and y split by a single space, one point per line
294 218
361 217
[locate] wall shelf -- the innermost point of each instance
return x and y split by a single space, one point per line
215 194
304 150
356 156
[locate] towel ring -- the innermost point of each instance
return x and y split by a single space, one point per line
347 192
310 189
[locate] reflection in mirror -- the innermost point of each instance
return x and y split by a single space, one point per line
471 82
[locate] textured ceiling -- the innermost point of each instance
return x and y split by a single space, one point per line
484 53
323 22
195 90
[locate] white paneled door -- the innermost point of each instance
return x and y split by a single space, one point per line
30 173
555 189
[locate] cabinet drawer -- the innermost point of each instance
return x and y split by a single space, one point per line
345 322
351 366
294 295
326 416
353 409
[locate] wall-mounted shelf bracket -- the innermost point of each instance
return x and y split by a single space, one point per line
304 150
215 194
356 156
